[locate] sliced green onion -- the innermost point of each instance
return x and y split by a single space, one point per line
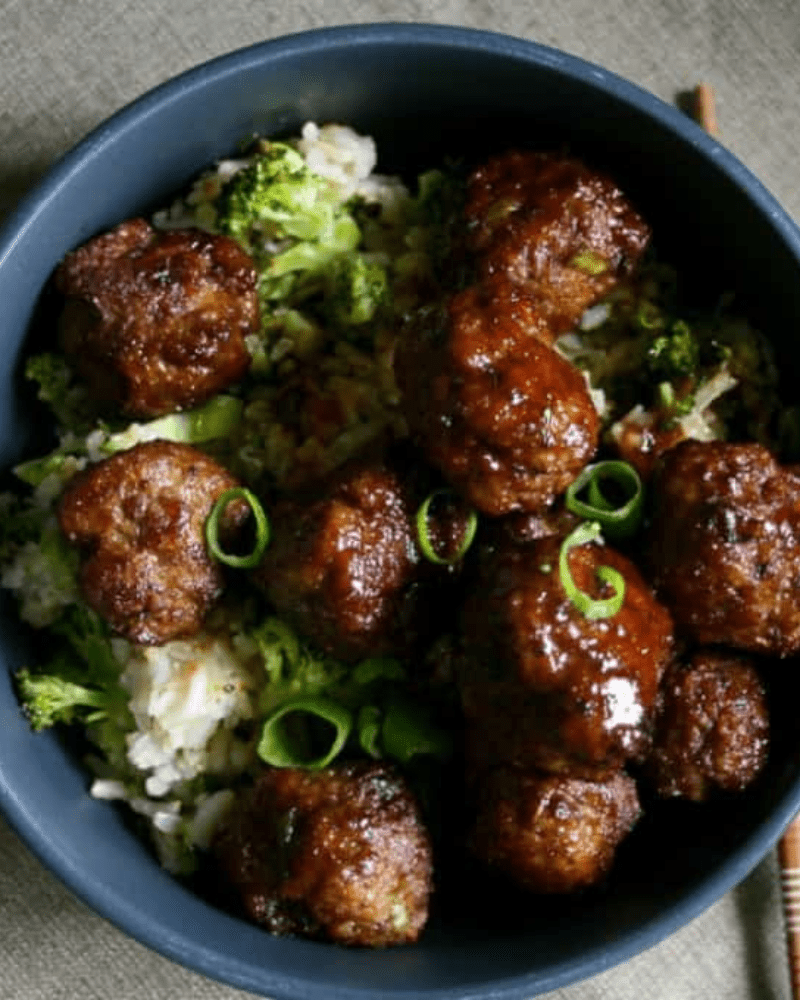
369 729
215 419
666 394
408 730
649 317
589 262
35 471
590 607
424 537
617 521
250 559
291 733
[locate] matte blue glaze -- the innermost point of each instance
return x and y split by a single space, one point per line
421 91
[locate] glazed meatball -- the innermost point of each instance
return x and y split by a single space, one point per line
563 232
712 730
156 321
344 565
543 685
507 420
339 853
724 545
552 834
138 518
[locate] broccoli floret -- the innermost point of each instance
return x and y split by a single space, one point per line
57 388
440 202
357 289
675 353
277 196
50 698
81 682
290 219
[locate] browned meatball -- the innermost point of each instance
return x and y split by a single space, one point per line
344 565
713 727
156 321
340 853
552 834
725 545
563 232
543 685
139 519
507 420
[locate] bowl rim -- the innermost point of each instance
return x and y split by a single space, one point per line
99 897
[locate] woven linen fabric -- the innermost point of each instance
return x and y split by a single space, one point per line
65 66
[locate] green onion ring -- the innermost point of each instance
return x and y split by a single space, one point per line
591 607
277 746
616 522
251 559
424 538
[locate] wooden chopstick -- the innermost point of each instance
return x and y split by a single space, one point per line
705 108
789 859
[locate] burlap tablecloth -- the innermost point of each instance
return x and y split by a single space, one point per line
65 66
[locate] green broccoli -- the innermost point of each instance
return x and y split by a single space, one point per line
50 698
57 388
357 289
675 353
81 682
440 201
276 197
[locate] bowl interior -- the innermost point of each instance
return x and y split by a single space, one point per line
424 93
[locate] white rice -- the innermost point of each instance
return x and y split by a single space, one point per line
187 697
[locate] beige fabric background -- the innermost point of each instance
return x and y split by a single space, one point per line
65 66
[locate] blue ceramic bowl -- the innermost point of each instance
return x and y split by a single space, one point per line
423 92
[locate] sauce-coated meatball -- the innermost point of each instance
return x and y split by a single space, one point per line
563 232
724 545
712 730
344 565
552 834
545 686
156 321
507 420
340 853
138 517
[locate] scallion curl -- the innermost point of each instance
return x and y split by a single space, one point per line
616 521
287 741
424 538
368 725
251 559
591 607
